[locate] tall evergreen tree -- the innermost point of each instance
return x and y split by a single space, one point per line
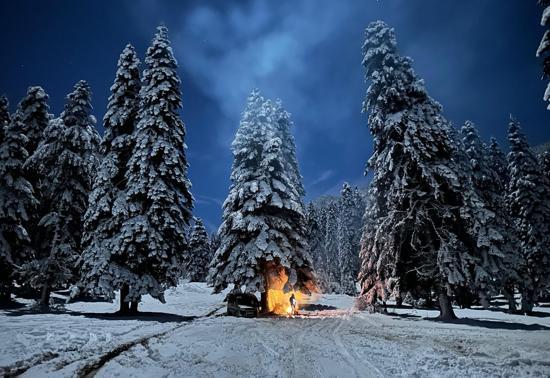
289 147
104 269
33 111
528 201
65 160
199 257
263 228
153 236
426 222
17 202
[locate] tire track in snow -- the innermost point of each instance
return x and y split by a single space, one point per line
359 369
90 369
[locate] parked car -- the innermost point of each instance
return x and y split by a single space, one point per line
242 304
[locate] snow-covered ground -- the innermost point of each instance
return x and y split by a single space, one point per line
192 340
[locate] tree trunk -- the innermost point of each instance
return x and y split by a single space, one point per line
124 305
45 297
5 294
445 308
399 299
509 295
429 300
527 301
484 300
263 302
134 307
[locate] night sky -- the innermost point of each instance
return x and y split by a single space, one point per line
476 56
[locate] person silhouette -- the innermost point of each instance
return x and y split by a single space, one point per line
293 303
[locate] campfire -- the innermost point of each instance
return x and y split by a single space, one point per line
278 300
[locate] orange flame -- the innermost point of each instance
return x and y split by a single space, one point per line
278 301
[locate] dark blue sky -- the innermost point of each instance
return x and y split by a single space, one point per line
476 56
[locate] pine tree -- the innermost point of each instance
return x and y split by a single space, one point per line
316 241
263 229
425 220
544 159
289 147
103 270
332 264
499 164
5 117
65 160
348 238
153 238
544 46
33 111
500 245
528 200
199 257
17 202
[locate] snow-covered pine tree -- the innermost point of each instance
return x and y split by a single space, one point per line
332 265
65 160
263 228
5 116
199 257
17 202
544 160
316 241
500 245
544 46
289 147
424 220
103 269
348 249
499 164
33 111
528 201
153 237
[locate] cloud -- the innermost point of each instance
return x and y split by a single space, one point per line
206 200
230 50
324 176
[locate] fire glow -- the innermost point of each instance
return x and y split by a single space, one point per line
278 301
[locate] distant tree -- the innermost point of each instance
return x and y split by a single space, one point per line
153 235
500 164
528 200
500 242
199 257
103 268
17 202
348 238
425 219
332 262
316 241
544 46
263 228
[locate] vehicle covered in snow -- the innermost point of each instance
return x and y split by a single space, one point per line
242 304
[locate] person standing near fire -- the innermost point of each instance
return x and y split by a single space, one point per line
293 303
